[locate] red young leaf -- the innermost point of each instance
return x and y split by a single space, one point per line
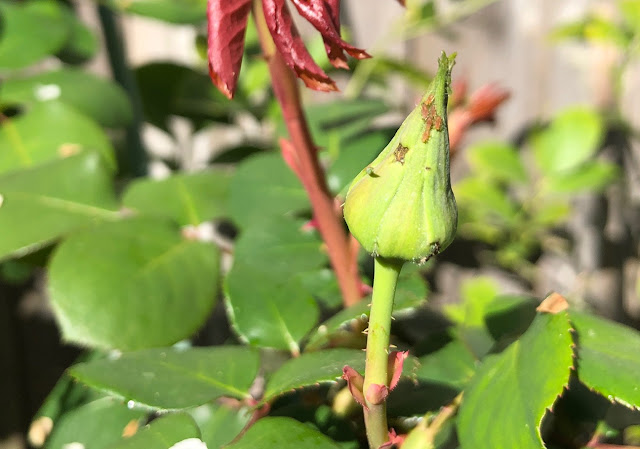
394 440
484 102
376 393
291 47
325 17
355 382
227 22
396 362
336 55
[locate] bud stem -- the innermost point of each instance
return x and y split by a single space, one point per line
386 272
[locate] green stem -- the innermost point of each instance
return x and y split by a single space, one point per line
385 279
124 76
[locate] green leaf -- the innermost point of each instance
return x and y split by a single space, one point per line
312 368
267 310
452 365
142 285
41 204
337 121
322 285
268 303
162 433
280 246
263 186
185 92
516 387
608 360
477 293
82 44
49 130
187 198
96 425
592 176
573 137
220 424
169 378
631 12
484 200
283 433
48 30
102 100
551 212
509 315
411 293
172 11
594 29
497 161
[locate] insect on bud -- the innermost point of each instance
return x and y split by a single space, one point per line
401 205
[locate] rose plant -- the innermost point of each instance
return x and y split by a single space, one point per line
329 341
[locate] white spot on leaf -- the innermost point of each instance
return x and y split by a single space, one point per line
73 446
46 92
190 443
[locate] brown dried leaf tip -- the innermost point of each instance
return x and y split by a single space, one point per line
554 303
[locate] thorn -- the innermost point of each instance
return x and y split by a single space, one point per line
393 346
365 332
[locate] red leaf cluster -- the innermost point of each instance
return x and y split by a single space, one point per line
227 23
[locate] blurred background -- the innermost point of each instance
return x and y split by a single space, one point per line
546 165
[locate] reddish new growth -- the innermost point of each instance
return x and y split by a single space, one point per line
477 108
227 23
375 394
430 117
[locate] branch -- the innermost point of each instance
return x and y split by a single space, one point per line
328 219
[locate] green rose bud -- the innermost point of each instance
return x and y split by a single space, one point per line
401 205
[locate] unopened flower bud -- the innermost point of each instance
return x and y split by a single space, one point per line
401 205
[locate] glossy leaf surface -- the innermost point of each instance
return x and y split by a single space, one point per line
102 100
41 204
516 387
283 433
263 186
189 199
98 424
47 131
267 311
167 378
143 285
162 433
48 31
311 369
608 358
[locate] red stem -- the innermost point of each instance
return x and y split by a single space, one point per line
329 221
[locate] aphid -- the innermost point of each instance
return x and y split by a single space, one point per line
400 153
438 123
